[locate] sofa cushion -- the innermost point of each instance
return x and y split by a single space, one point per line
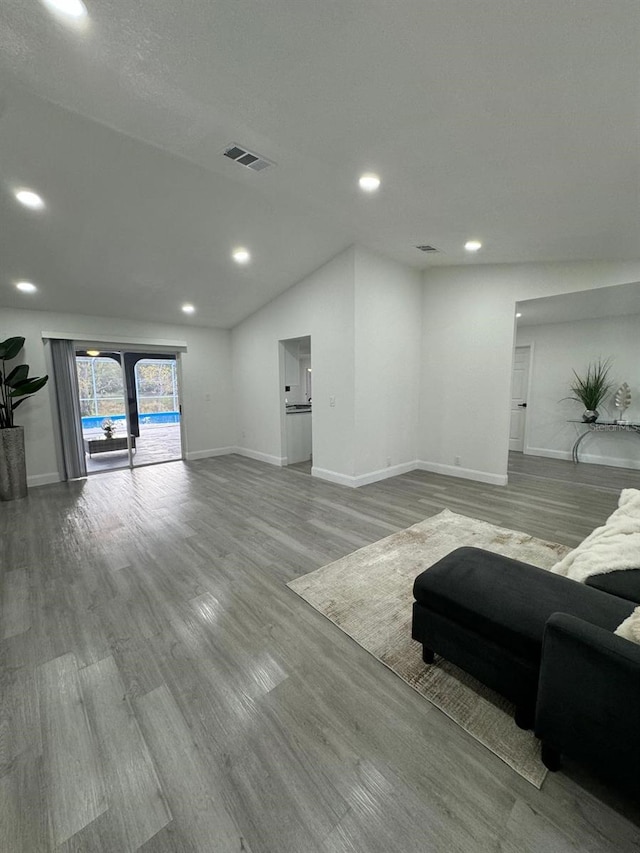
625 584
509 601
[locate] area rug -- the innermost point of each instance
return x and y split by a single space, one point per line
368 594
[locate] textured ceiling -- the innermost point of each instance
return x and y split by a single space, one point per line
515 123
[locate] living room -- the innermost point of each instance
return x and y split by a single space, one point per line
152 614
392 346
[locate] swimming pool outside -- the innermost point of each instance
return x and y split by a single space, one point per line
148 419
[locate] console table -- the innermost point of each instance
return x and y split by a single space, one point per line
106 445
601 426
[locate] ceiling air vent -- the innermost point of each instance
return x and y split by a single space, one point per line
427 248
247 158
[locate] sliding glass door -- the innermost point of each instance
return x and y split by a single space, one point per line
103 408
155 408
130 409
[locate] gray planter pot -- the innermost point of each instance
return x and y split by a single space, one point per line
13 469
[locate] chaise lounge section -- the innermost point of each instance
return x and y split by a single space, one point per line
488 614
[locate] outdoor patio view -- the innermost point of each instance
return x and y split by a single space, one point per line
154 411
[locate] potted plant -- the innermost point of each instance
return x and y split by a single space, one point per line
592 388
108 428
16 386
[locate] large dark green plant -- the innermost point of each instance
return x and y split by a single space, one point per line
592 388
15 386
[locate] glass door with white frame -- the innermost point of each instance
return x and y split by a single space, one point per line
130 408
154 407
106 437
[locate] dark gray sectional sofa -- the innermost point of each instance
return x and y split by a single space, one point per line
546 643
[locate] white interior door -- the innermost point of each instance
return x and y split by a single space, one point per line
519 389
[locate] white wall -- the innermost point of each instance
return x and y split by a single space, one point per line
206 370
467 345
388 306
557 349
298 366
365 321
363 315
305 379
322 306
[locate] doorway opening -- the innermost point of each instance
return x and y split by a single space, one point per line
296 395
565 333
129 408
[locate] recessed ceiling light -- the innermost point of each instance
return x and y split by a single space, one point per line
518 314
75 10
188 308
26 287
241 255
369 182
30 199
93 352
473 245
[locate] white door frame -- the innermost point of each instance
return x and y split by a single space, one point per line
284 459
183 432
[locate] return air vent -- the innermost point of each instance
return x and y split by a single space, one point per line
247 158
426 248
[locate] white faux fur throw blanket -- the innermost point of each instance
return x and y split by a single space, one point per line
614 546
630 628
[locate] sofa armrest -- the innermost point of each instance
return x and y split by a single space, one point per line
589 694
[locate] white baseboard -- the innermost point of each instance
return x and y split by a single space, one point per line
463 473
588 458
384 473
261 457
43 479
354 482
333 477
549 454
205 454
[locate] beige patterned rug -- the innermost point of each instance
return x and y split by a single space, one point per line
368 594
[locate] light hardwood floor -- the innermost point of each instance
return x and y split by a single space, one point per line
163 690
599 476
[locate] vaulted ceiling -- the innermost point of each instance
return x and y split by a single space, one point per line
513 123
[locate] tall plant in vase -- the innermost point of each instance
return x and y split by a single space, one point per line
16 386
592 388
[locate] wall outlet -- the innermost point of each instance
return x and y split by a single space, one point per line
388 461
457 460
244 434
332 401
